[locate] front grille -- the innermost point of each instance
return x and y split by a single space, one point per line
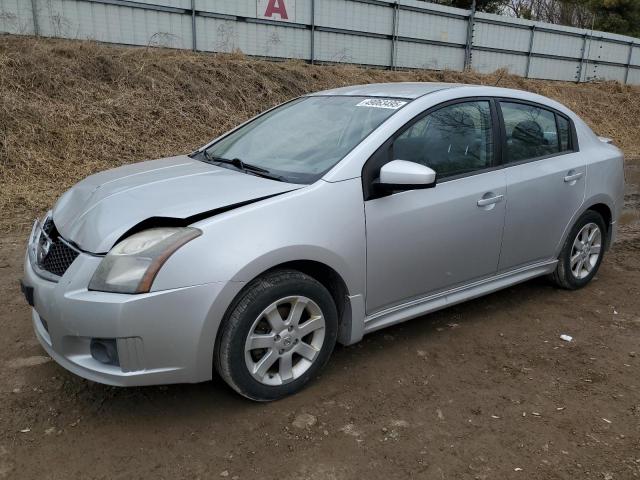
59 256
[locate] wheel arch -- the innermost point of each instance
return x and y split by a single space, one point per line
333 282
602 204
348 300
607 215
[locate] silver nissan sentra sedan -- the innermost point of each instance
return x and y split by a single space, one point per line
316 222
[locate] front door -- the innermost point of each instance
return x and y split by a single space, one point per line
424 241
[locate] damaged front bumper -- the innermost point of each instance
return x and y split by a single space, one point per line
161 336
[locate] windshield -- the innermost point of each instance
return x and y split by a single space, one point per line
301 140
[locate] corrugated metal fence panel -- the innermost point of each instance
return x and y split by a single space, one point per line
493 18
556 44
243 8
635 56
303 12
164 3
362 17
79 19
607 51
425 26
426 35
501 36
606 72
247 8
432 8
553 69
16 17
430 57
487 62
634 77
343 48
218 35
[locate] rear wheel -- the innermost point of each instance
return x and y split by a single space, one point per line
582 252
277 336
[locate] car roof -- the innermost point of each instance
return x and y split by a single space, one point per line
414 90
409 90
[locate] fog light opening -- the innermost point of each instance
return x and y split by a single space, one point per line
105 350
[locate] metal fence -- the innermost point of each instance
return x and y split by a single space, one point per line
402 34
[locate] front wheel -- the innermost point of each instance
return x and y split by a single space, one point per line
277 336
582 252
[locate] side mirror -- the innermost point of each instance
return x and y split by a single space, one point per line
399 175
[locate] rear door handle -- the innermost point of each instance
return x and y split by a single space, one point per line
483 202
573 177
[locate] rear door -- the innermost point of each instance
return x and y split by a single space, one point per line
545 176
424 241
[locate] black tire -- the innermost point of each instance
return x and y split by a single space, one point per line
229 355
563 276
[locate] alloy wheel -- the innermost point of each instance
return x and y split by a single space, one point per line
586 251
284 340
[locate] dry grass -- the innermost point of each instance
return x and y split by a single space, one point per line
69 108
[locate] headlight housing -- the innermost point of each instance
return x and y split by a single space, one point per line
132 264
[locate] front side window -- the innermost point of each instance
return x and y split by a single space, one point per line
530 132
453 140
301 140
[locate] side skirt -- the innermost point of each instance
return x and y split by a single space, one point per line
431 303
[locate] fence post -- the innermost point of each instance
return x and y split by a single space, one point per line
193 25
533 34
34 13
584 50
313 30
394 34
626 75
469 45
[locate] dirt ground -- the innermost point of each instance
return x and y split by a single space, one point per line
484 390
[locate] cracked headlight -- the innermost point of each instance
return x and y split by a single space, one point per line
132 264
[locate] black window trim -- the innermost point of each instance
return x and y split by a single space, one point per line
574 146
499 138
496 136
570 141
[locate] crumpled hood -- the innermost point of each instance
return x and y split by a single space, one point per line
97 211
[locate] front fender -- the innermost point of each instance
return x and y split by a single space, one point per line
292 253
323 222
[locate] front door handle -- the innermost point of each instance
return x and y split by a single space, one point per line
483 202
573 177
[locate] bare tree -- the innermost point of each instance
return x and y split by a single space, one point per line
564 12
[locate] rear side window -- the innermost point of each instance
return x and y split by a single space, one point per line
531 132
453 140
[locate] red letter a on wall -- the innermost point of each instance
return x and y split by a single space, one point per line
276 6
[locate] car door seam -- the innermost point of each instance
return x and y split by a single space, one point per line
504 218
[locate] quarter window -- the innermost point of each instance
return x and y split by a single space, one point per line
453 140
530 132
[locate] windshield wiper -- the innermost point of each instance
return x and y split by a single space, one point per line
245 167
